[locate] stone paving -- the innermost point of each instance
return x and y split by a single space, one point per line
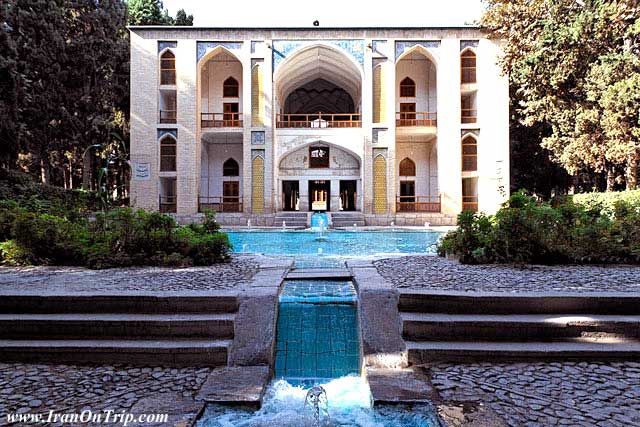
436 273
229 275
71 389
548 394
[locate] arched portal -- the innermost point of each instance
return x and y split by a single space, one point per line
319 176
318 86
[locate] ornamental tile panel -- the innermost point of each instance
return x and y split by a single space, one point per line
403 46
204 47
283 48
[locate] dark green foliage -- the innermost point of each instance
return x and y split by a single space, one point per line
152 12
527 231
183 19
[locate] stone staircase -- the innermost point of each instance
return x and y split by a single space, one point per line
291 219
347 219
443 326
135 329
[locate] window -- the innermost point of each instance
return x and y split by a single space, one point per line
230 88
318 157
469 154
231 116
168 154
168 68
407 167
469 114
230 168
470 194
407 112
407 88
468 67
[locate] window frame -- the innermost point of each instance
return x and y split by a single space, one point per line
168 72
408 84
171 144
232 84
231 167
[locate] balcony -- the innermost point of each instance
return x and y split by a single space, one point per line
168 116
469 116
220 204
318 120
418 203
168 204
470 203
416 119
221 120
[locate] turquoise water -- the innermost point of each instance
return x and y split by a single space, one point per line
334 243
317 331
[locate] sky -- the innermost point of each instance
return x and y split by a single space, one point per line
330 13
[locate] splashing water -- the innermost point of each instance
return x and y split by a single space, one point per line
316 400
349 404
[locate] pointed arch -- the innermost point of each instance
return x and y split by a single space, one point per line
469 153
407 167
230 88
230 167
407 88
257 184
168 153
468 66
379 184
379 94
167 68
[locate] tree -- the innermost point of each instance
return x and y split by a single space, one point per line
148 12
10 89
183 19
560 58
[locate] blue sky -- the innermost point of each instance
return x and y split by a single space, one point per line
330 13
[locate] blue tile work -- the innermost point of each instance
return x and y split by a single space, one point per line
165 44
468 43
403 46
204 47
282 48
257 137
317 335
163 132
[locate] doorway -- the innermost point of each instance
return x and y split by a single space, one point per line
231 196
290 195
319 195
407 196
348 195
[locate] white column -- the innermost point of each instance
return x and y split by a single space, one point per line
334 194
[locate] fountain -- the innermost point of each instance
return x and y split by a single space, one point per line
427 224
316 399
249 223
284 225
355 227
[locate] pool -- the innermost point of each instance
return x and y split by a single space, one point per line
335 243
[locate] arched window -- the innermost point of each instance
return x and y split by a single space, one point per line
168 154
230 88
469 154
407 167
467 67
168 68
407 88
230 168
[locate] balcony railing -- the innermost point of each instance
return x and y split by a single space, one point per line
319 120
418 203
405 119
221 120
168 116
168 204
469 116
470 203
220 204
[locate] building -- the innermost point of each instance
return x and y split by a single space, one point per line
395 124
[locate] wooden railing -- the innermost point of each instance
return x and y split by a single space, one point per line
220 204
168 204
418 203
470 203
221 120
168 116
319 120
469 116
416 119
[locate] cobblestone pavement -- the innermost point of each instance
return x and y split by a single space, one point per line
435 273
70 389
548 394
74 279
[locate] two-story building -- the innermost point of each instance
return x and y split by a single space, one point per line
408 125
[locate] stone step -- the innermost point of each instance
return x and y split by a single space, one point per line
425 352
222 302
319 273
139 352
464 327
521 303
115 326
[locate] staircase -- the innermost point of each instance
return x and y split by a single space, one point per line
441 326
347 219
136 329
291 219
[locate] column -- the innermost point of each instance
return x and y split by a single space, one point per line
334 194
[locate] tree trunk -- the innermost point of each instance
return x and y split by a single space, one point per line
611 178
45 169
632 170
87 168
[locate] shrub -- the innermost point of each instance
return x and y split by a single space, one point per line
527 231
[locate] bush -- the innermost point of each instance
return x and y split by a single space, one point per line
527 231
118 238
